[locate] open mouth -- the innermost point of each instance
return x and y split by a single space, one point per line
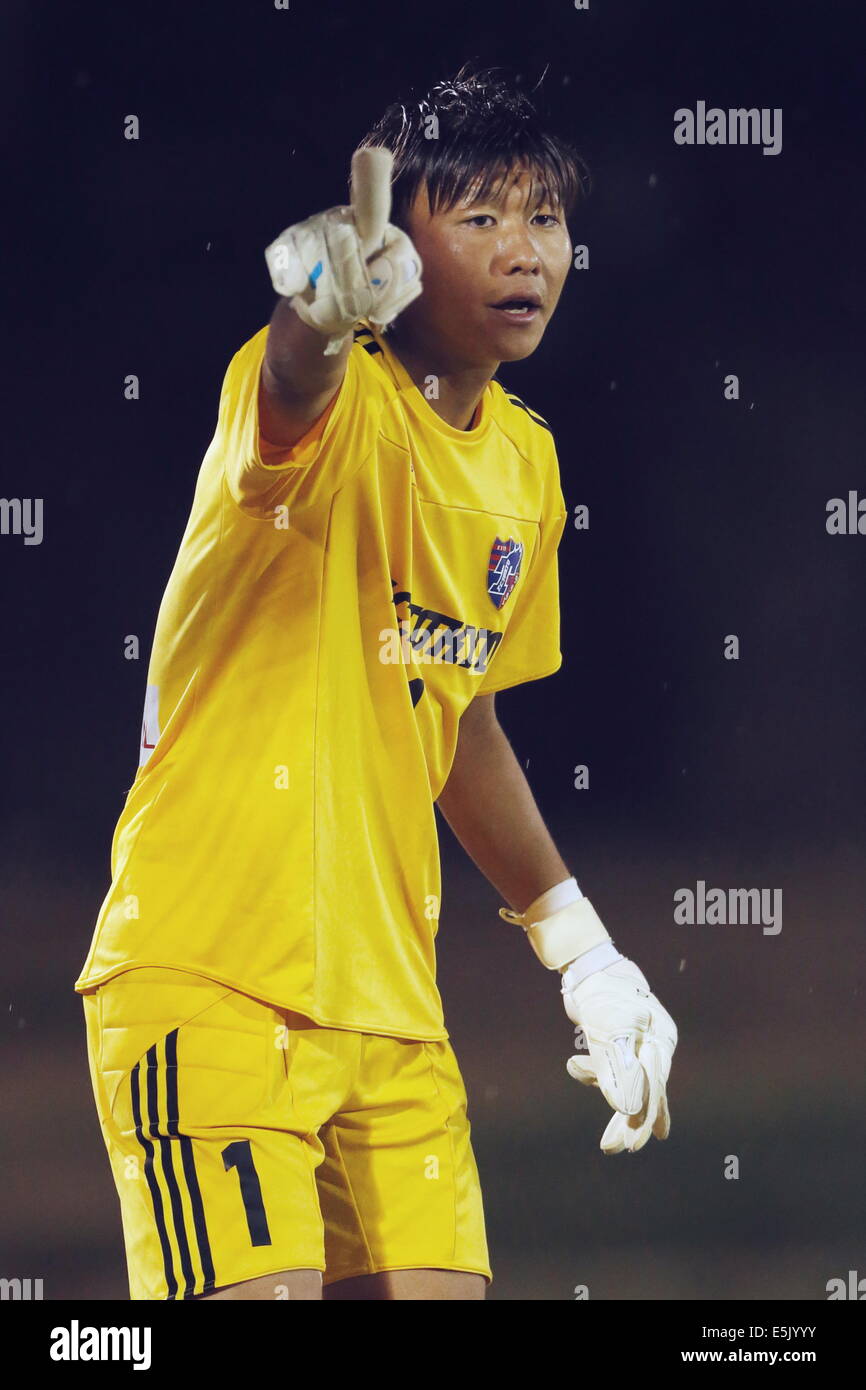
517 308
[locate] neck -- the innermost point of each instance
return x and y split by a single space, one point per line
460 387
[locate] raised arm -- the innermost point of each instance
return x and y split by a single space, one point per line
329 271
298 381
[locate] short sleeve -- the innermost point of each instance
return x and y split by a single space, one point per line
530 647
261 475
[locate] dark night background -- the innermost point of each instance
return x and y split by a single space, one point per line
707 518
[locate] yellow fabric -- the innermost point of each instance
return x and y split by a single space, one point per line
280 835
245 1140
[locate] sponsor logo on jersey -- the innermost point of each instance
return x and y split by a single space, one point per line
427 635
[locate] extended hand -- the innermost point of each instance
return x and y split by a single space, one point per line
348 262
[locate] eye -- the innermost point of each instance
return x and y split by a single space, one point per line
549 218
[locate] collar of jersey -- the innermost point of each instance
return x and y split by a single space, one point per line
421 407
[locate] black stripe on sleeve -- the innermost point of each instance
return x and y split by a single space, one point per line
533 415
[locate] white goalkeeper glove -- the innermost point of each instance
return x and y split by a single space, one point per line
631 1039
348 263
629 1034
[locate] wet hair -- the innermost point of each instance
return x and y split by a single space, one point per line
484 127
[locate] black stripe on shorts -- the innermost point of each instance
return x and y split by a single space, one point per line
173 1178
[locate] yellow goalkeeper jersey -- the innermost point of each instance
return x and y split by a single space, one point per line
332 610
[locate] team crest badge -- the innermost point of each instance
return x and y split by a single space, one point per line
503 569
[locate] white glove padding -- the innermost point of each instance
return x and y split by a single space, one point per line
319 266
631 1039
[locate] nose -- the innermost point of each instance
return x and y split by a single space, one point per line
516 250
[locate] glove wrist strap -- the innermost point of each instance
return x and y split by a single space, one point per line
564 935
559 896
595 959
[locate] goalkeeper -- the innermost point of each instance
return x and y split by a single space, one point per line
371 555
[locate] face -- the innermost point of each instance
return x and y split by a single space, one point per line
477 255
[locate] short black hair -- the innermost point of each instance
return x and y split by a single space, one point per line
485 126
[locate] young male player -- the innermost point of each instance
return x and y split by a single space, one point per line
370 557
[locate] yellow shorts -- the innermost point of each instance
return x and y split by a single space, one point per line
245 1139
